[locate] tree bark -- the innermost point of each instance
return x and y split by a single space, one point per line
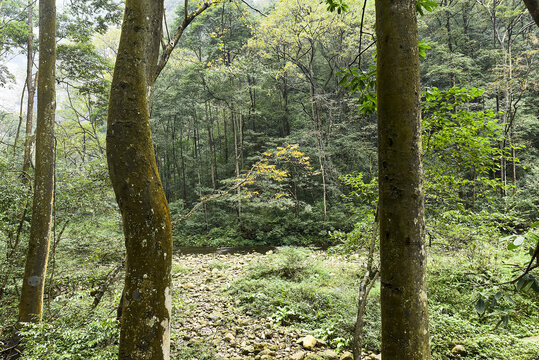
146 308
31 92
533 8
405 334
31 306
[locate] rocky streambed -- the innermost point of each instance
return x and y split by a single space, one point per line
206 317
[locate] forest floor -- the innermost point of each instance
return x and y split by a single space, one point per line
209 317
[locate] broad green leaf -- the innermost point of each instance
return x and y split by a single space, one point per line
516 243
480 306
522 282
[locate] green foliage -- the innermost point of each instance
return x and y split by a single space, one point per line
425 5
292 287
461 148
336 5
95 339
363 82
83 68
82 19
363 200
487 320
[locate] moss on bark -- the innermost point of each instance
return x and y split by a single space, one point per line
405 333
145 322
31 305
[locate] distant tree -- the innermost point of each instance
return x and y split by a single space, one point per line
30 88
31 304
405 334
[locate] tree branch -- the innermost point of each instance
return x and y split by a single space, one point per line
253 8
168 48
216 196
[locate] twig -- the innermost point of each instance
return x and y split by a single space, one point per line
216 196
109 279
253 8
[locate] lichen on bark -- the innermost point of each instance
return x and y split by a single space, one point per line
138 189
405 333
31 305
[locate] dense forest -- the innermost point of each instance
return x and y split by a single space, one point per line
269 179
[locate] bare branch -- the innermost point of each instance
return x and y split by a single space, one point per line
168 48
219 195
253 8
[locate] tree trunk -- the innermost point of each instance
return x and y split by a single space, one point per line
405 334
31 306
31 91
315 113
236 161
145 321
533 8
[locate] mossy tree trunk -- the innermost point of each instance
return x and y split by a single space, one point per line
405 334
145 321
31 305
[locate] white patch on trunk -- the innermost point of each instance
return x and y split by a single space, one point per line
168 301
422 296
166 325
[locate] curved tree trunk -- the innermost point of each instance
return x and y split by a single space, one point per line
145 322
405 334
31 305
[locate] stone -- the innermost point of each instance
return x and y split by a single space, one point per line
266 352
309 342
243 321
300 355
312 356
267 357
458 350
215 316
249 349
259 346
229 337
329 355
347 355
189 286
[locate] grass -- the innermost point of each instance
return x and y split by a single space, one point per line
300 289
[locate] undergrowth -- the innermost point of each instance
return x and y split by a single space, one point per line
311 291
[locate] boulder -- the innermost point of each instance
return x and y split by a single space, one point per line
329 355
458 350
249 349
309 342
300 355
259 346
